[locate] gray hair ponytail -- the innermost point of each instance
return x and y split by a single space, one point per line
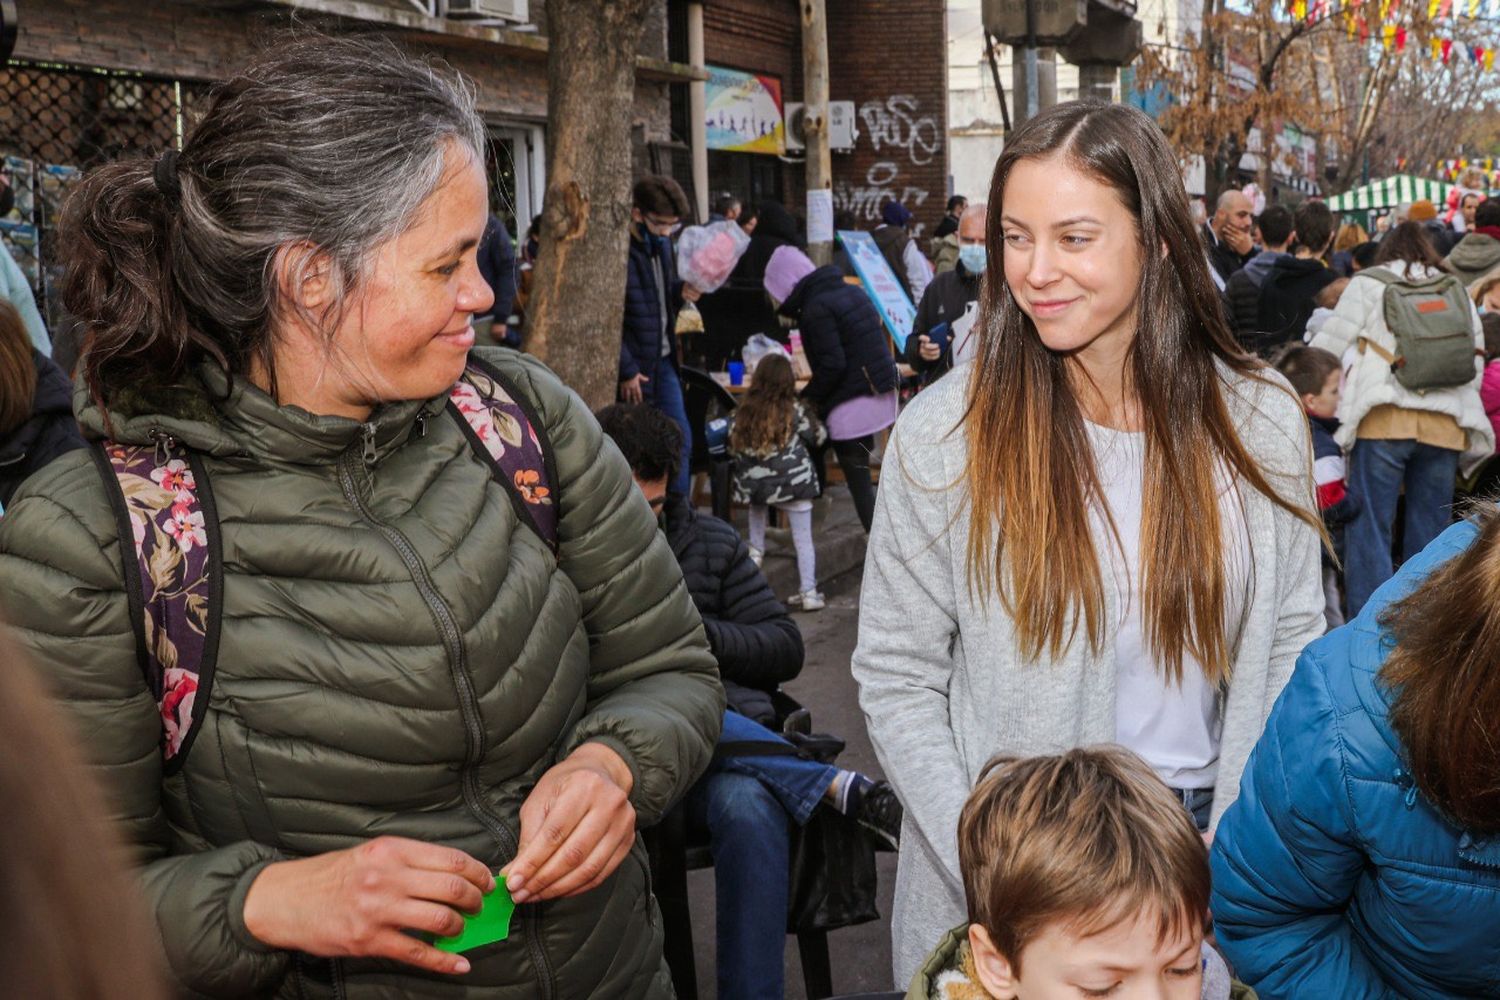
331 143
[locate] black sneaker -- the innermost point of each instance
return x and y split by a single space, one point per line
879 812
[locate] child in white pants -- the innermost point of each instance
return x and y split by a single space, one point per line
770 438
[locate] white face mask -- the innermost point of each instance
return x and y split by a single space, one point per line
973 257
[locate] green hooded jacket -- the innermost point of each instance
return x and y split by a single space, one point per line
398 655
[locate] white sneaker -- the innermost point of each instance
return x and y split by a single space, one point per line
808 600
757 556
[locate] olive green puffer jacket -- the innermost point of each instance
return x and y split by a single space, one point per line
364 689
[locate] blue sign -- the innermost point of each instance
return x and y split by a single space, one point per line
880 283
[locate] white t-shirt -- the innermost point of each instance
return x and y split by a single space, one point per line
1174 727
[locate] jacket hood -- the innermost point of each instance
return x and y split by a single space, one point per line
1260 265
1475 252
54 390
210 411
776 221
825 277
949 974
1300 277
53 398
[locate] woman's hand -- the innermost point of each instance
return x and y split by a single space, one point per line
690 294
357 902
577 825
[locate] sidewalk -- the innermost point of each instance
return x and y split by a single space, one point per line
837 535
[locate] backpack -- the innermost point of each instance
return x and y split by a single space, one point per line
164 511
1432 322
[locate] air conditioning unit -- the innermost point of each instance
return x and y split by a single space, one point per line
841 130
501 10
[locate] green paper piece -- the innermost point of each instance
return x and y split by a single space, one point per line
490 924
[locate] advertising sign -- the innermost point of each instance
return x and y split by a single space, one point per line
744 112
890 299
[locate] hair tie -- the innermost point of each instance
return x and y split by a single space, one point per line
164 174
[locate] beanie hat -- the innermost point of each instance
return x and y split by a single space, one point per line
893 213
1422 211
786 268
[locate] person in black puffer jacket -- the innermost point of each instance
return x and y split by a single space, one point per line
744 804
854 376
36 406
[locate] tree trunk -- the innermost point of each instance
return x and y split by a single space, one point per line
578 287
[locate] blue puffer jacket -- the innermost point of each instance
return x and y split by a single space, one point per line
846 344
640 336
1333 876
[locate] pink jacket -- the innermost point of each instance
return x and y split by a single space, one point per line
1489 394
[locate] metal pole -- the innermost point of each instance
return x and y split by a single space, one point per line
1033 99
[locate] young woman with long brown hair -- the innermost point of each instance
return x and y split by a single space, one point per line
1363 859
1105 532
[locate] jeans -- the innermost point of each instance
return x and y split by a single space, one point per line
1377 471
664 391
747 806
1199 802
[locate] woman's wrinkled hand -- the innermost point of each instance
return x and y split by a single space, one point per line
357 902
577 825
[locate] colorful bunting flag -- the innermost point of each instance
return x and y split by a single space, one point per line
1489 59
1401 39
1437 49
1447 50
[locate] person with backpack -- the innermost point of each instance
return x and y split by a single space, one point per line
1297 280
357 621
1413 349
893 237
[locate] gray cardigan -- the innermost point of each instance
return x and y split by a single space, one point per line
943 686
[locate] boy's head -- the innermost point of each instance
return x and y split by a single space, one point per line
1314 374
1085 876
1276 227
1314 225
658 203
651 443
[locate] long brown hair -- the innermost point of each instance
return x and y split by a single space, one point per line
72 923
1032 478
1444 673
764 422
1409 244
17 370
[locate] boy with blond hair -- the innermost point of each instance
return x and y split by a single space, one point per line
1085 877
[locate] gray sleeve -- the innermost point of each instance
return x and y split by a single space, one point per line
904 659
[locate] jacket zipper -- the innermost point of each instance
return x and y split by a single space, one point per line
468 702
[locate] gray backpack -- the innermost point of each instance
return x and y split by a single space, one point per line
1432 322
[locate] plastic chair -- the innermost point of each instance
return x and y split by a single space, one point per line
672 855
704 399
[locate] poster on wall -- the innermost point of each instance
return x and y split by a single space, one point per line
744 112
880 283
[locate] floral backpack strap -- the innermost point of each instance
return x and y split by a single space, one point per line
165 514
505 431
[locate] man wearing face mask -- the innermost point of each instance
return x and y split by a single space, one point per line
945 332
653 294
13 285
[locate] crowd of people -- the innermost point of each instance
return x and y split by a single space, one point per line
351 620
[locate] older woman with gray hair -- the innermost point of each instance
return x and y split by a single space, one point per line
354 617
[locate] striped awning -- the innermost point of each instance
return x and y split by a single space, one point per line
1390 192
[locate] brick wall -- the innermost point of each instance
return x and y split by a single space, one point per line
887 56
890 58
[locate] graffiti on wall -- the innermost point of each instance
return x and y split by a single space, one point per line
896 129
